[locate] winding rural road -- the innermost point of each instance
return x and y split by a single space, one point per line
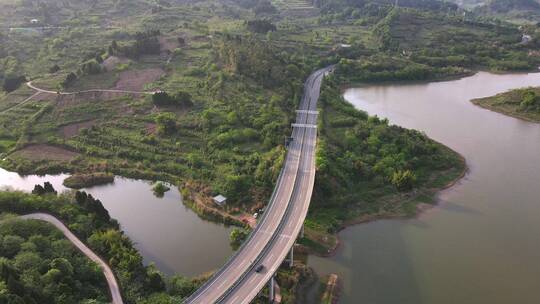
40 91
109 275
269 243
33 87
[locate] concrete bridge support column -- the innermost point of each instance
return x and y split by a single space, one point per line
291 257
272 289
302 231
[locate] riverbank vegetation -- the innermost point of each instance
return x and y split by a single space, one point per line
78 181
368 169
159 189
521 103
41 266
238 236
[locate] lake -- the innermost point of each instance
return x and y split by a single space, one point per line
165 231
482 243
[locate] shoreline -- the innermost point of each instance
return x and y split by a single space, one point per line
421 208
515 115
359 84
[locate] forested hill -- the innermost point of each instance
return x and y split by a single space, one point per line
513 9
434 5
505 6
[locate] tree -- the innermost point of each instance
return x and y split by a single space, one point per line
99 58
70 79
155 279
161 98
11 83
264 7
48 187
181 98
403 180
166 123
91 204
38 190
92 67
261 26
11 245
55 68
65 267
181 286
45 189
529 100
237 237
160 189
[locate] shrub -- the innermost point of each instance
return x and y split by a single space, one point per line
160 189
166 123
12 83
260 26
404 180
237 237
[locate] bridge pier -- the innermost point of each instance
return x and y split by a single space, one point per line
272 289
291 257
302 231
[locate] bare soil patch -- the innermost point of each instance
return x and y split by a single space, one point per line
150 128
44 97
72 130
46 152
168 44
136 79
111 62
70 100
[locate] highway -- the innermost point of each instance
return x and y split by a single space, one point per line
275 234
114 288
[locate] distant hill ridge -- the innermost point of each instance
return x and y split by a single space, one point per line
504 6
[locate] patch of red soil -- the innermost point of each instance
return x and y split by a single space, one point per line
46 152
44 96
111 62
135 80
249 220
150 128
168 44
72 130
70 100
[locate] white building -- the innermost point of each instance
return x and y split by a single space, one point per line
220 200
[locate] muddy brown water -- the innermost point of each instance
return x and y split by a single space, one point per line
481 245
164 231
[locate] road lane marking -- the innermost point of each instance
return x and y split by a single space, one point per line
299 157
221 285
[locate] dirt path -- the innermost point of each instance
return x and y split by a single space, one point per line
109 275
30 85
20 103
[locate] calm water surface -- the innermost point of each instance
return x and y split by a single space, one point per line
482 244
164 230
